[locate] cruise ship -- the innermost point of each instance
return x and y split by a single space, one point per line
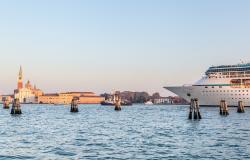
226 82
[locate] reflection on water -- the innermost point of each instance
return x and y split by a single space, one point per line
137 132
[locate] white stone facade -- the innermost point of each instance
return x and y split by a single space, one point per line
25 95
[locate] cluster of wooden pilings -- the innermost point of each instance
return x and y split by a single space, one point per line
194 112
117 100
223 108
6 104
241 107
16 107
74 106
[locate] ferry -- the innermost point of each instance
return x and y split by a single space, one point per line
225 82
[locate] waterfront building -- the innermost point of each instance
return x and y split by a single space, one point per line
55 98
66 98
27 93
86 97
90 99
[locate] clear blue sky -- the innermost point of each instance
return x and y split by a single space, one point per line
105 45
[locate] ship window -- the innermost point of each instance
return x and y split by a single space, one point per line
220 87
206 87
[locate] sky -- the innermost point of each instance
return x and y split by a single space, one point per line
108 45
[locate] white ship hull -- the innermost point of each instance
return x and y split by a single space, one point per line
211 96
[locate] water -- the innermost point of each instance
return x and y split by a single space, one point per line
137 132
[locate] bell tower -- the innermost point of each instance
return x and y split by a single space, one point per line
20 79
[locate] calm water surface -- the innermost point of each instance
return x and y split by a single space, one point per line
137 132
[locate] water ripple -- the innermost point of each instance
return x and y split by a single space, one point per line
138 132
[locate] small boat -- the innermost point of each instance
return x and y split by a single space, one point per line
149 103
126 103
6 106
107 103
111 103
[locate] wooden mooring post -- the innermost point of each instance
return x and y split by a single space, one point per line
241 107
6 104
74 106
16 107
223 108
194 112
